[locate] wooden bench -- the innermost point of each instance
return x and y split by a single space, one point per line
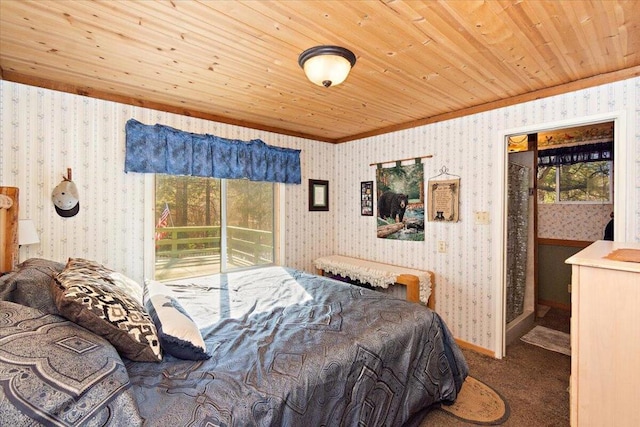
419 283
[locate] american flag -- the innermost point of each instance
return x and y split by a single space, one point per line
162 221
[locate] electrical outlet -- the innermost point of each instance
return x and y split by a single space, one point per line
442 246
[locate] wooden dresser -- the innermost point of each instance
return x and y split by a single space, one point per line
605 337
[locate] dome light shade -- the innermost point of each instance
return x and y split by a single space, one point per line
327 65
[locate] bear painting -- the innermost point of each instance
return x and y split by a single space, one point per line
400 202
392 205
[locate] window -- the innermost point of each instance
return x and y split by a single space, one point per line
575 164
575 183
249 225
207 225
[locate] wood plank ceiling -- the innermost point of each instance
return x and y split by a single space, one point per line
236 61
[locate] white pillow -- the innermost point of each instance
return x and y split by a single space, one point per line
178 333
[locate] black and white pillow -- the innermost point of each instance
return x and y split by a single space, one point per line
106 276
178 333
84 293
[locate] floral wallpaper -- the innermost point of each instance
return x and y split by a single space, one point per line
584 222
42 132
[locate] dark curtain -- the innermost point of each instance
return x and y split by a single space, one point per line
576 154
517 239
163 149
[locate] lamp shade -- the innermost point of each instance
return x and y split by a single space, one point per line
27 234
327 65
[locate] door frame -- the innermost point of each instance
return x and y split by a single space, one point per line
622 163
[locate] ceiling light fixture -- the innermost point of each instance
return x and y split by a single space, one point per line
327 65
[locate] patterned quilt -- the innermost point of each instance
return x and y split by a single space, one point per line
56 373
290 348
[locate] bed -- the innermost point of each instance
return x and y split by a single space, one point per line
271 346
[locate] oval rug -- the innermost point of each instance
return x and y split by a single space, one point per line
478 403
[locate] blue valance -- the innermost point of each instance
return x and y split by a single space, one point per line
163 149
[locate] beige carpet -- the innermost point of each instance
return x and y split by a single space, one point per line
550 339
478 403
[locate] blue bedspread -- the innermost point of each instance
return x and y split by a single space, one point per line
290 348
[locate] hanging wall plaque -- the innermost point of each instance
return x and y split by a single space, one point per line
444 197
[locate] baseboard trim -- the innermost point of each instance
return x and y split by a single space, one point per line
468 346
562 242
554 304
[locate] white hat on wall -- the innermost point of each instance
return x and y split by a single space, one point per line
65 199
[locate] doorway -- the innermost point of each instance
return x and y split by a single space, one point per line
527 295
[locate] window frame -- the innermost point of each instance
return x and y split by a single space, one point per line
558 201
149 255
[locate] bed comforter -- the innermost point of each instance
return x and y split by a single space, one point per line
291 348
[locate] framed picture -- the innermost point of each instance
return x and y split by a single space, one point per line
366 198
318 195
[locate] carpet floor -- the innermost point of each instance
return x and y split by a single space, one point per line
531 379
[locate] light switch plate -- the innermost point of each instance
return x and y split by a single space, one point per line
482 217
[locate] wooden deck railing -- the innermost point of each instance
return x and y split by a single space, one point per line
254 246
